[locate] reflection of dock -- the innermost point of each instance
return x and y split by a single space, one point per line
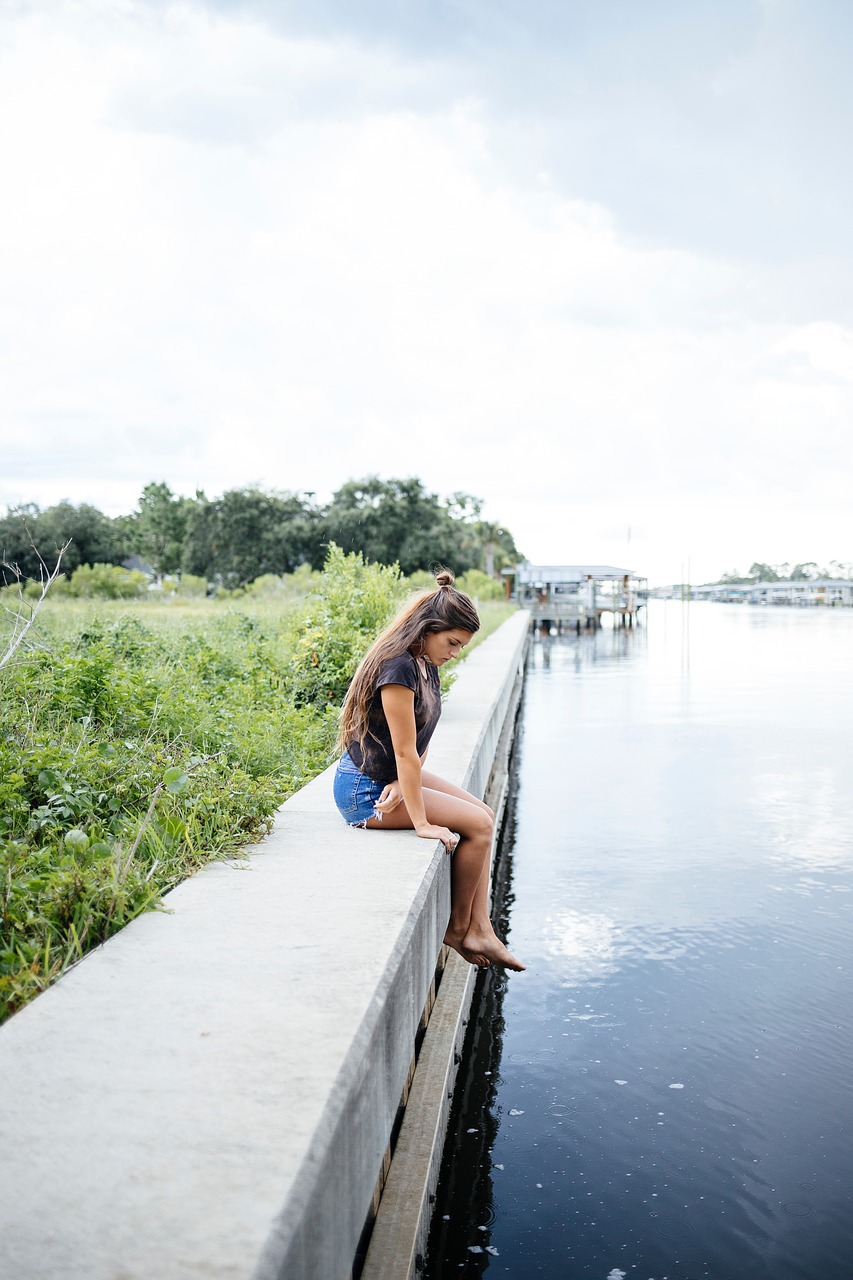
572 596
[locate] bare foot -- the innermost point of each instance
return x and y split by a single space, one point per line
477 958
482 949
493 950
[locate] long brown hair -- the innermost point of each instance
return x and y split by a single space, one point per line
441 610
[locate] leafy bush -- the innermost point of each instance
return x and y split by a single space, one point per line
475 583
331 633
107 582
421 580
290 586
190 585
32 589
266 585
479 586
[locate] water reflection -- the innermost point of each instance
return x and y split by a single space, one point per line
809 815
668 1093
464 1210
585 944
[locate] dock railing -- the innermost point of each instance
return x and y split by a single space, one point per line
578 608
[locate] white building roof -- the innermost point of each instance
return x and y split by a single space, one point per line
536 573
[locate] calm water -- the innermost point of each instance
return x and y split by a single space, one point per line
666 1093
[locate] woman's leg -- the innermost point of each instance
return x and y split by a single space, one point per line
435 783
469 930
478 916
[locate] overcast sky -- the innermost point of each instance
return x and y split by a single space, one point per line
589 260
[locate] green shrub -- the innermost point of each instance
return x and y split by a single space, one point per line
285 586
190 585
32 589
303 579
421 581
267 584
107 582
479 586
475 583
330 634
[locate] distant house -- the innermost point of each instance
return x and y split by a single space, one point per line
576 594
136 562
826 591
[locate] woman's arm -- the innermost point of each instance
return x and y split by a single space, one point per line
398 704
392 795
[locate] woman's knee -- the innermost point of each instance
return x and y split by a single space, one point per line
483 824
481 804
483 812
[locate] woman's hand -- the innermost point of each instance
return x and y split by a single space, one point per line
391 797
448 838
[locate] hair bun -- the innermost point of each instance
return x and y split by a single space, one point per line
445 577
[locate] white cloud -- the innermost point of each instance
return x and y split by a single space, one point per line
243 257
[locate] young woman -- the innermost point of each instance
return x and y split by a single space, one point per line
388 719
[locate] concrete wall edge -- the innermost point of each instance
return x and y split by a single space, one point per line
211 1092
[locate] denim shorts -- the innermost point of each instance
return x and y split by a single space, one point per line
355 793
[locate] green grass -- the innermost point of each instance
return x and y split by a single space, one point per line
132 750
493 614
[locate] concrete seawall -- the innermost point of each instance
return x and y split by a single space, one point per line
212 1092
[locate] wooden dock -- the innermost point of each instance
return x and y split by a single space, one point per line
576 597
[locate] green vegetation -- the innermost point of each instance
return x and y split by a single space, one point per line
140 738
245 534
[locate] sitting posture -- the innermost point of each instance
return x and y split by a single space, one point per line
388 719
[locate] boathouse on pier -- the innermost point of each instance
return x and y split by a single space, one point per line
576 595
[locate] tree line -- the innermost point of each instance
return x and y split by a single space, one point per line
234 539
807 571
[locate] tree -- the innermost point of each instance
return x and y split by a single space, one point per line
248 532
763 572
93 537
493 544
18 555
805 572
398 521
89 535
498 549
158 529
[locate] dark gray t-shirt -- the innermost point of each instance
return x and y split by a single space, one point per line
377 760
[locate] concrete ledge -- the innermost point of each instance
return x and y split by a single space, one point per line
398 1240
212 1092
